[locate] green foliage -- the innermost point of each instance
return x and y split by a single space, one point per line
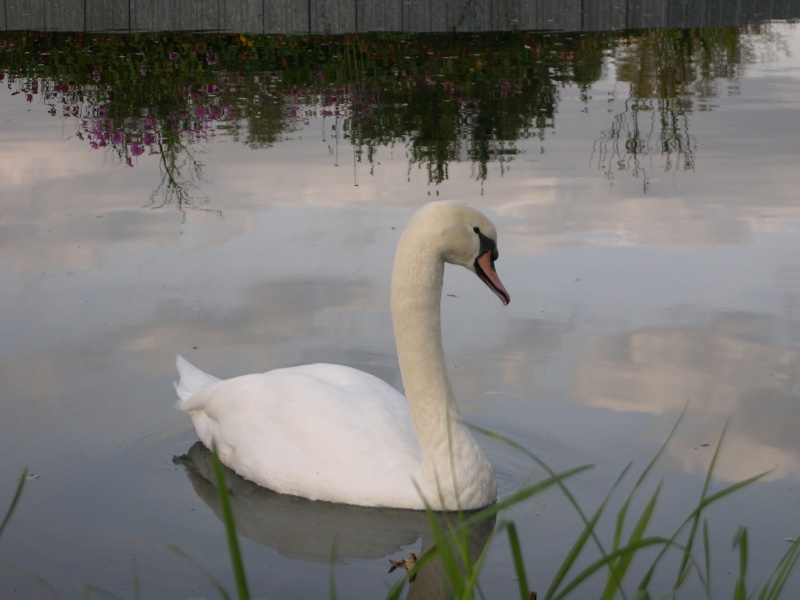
237 563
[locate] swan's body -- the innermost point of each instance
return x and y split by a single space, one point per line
329 432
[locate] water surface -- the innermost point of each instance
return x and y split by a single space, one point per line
644 186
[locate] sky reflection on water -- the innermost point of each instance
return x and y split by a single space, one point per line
636 294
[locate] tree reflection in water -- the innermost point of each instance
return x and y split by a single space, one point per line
446 97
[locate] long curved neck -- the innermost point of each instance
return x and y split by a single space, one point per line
416 297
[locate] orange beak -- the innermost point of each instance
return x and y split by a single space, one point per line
484 267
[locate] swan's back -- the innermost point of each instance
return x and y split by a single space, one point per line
320 431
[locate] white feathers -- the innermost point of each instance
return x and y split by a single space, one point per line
330 432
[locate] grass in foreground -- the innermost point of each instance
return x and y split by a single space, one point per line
589 560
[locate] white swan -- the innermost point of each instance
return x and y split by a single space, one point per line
329 432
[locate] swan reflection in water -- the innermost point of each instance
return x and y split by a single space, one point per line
307 530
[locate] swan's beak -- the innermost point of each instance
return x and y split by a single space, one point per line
484 267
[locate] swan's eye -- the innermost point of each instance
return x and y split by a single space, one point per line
487 244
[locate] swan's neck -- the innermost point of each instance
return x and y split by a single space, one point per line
416 297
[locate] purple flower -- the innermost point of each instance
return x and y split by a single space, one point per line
137 149
118 138
211 58
173 56
128 161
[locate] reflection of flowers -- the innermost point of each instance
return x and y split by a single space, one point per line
449 99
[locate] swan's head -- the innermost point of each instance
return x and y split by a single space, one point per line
463 236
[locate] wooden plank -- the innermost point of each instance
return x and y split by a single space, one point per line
333 16
379 15
153 15
438 14
678 13
714 13
286 16
208 15
565 15
654 13
64 15
696 13
507 14
245 16
107 15
416 15
604 16
469 15
185 14
25 14
530 14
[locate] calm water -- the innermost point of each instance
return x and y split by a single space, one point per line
648 220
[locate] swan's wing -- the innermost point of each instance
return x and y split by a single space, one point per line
319 431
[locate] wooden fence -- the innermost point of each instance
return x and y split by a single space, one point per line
350 16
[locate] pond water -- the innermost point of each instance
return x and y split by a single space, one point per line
238 200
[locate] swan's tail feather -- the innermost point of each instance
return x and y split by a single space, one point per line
192 379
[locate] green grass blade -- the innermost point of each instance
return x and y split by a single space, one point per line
331 579
135 570
695 517
773 589
444 551
740 539
230 528
14 500
522 494
603 563
615 577
472 580
519 566
575 550
707 555
623 563
564 489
